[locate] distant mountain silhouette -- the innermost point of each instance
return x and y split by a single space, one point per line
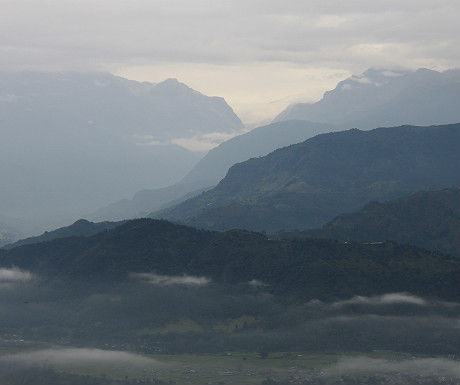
81 228
147 200
8 234
374 99
74 142
429 219
386 98
213 167
258 142
306 185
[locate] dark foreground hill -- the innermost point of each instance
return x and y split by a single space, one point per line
155 287
301 268
306 185
429 219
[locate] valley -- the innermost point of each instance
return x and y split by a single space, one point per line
321 248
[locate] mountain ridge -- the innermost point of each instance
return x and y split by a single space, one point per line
380 97
213 166
82 140
429 219
307 184
309 269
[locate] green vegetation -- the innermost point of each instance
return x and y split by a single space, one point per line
306 185
429 219
155 287
305 269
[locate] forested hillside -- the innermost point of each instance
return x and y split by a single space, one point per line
305 268
429 219
306 185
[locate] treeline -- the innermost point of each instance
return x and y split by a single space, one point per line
307 269
428 219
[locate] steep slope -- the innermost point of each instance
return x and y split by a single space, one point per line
147 200
74 142
101 101
305 185
386 98
213 167
375 98
258 142
429 219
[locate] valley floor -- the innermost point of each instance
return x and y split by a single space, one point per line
92 366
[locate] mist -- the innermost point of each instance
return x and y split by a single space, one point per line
435 367
80 356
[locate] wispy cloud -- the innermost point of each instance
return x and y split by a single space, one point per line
200 142
385 299
170 280
79 356
204 142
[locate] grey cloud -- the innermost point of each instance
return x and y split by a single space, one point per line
126 33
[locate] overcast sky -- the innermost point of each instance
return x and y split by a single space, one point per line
261 55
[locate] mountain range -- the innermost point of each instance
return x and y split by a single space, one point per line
212 168
373 99
382 97
427 219
74 142
378 273
305 185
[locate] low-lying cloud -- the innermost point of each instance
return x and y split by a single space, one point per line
79 356
10 277
199 142
172 280
424 366
256 283
385 299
